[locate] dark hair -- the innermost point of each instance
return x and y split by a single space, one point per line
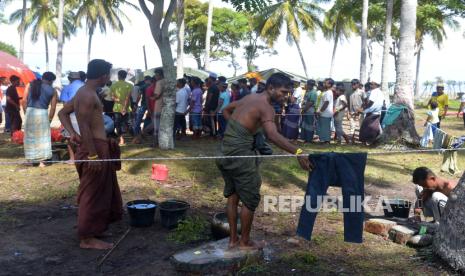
182 82
434 105
14 78
367 86
340 86
235 86
109 83
420 174
196 81
330 80
243 81
82 76
278 80
222 78
122 74
355 81
159 71
311 83
36 85
320 84
98 68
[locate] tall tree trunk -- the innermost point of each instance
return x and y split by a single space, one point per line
159 21
208 37
404 76
181 28
449 240
403 129
198 60
364 38
333 57
417 73
47 67
387 44
89 43
22 31
301 56
370 56
60 39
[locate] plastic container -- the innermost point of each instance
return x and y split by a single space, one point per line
220 226
159 172
141 212
172 211
400 208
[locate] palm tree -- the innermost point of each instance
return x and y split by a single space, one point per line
102 14
364 35
180 24
404 79
60 40
298 15
338 25
387 44
42 16
431 21
208 35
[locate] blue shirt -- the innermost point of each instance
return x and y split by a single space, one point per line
68 92
226 97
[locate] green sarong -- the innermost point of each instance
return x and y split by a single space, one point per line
241 175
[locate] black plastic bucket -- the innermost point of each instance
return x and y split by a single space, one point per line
399 208
141 212
173 211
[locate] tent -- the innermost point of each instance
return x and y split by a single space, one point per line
10 65
264 75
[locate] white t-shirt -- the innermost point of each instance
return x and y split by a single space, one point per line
254 89
434 114
377 97
182 100
340 103
299 95
327 97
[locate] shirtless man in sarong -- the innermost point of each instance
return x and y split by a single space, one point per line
246 118
99 197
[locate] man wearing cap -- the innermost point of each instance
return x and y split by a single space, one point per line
442 100
68 92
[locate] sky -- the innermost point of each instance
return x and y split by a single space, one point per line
125 51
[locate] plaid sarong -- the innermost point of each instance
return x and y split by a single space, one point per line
37 139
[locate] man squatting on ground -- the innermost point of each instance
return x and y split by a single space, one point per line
246 118
99 196
432 192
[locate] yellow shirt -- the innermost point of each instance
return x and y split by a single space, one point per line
442 102
120 91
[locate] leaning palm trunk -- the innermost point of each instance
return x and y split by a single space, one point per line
301 56
364 38
417 73
208 37
333 57
60 39
387 44
46 53
449 241
22 31
89 44
180 51
403 129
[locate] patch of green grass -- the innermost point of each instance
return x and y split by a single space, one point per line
193 228
253 269
301 260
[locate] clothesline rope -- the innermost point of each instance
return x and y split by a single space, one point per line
187 158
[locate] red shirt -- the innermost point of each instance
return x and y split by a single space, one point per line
149 93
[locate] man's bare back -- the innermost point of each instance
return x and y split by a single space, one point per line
89 112
252 112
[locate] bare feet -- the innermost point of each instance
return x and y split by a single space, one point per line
252 245
233 242
93 243
42 165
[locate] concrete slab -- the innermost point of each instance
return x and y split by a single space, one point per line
214 258
379 226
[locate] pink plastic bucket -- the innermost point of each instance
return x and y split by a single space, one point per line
159 172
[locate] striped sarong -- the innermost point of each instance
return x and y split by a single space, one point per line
37 139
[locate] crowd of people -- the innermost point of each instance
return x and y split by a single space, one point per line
313 111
